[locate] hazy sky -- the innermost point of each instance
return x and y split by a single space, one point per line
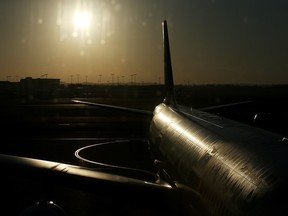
212 41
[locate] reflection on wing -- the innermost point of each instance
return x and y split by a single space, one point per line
47 176
75 176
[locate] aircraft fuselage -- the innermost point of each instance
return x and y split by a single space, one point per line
236 169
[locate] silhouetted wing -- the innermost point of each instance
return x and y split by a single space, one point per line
83 178
119 108
212 108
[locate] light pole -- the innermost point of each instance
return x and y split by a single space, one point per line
133 75
100 78
77 78
112 78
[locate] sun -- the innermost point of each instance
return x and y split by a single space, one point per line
82 20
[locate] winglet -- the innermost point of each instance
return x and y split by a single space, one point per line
168 75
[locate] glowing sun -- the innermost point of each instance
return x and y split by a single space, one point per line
82 20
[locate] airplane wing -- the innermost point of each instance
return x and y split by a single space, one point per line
49 175
74 176
213 108
120 108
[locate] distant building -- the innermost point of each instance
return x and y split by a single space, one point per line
8 89
40 88
5 85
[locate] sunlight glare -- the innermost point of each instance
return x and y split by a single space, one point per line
82 20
